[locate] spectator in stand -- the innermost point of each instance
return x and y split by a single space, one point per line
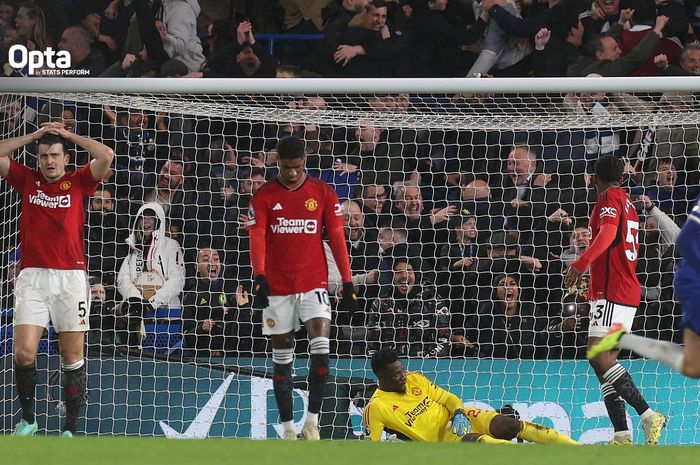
219 33
217 318
8 8
106 233
30 23
175 195
567 333
77 41
243 57
103 320
153 273
475 195
502 54
559 47
605 55
413 318
579 240
689 62
338 13
439 36
508 326
600 18
181 42
236 220
643 19
670 197
461 253
374 198
102 42
427 227
369 47
134 144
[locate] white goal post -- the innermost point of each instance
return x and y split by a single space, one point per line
423 169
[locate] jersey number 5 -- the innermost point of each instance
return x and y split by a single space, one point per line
632 238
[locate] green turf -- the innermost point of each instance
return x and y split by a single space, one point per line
152 451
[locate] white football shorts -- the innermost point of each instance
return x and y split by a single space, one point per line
44 295
604 315
285 312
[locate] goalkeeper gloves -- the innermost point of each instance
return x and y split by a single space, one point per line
261 290
460 423
348 299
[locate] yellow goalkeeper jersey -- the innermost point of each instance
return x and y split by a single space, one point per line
419 414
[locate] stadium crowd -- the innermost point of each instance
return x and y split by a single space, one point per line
458 239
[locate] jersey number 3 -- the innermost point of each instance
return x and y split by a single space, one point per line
632 240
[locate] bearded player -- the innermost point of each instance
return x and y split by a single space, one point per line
52 285
288 216
614 295
412 408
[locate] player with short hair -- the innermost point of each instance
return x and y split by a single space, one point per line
52 285
684 359
287 218
614 295
412 408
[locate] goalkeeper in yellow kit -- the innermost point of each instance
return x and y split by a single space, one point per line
411 407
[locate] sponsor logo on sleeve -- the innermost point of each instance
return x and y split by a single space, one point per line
608 212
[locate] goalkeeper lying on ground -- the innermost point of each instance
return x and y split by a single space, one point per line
414 409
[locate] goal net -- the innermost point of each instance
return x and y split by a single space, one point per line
464 203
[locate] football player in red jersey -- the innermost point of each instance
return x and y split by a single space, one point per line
52 286
287 218
614 294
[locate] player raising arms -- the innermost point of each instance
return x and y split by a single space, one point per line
614 294
685 360
411 407
52 286
287 219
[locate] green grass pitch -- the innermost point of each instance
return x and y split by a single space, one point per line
152 451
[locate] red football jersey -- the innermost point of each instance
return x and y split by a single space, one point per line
294 219
613 273
53 217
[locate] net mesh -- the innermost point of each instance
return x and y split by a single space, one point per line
486 196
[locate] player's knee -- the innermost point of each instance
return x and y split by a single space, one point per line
471 437
319 346
504 427
24 356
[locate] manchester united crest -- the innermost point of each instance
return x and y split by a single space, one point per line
270 323
416 391
64 186
311 204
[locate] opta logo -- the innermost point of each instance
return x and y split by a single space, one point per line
19 57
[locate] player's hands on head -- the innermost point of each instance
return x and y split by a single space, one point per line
348 299
460 423
261 291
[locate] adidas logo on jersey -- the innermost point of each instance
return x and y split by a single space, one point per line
277 207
